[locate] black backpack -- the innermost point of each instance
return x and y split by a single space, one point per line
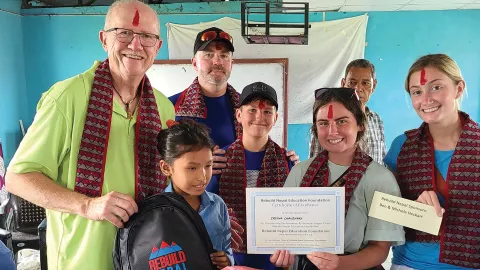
166 233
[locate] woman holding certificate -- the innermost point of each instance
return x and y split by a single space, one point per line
339 125
439 164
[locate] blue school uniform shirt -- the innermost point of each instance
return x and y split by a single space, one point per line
219 118
6 258
214 214
418 255
253 162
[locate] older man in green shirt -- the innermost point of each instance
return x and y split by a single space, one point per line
89 155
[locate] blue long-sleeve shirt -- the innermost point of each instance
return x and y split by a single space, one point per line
214 214
6 258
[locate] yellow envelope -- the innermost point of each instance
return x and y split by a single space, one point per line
411 214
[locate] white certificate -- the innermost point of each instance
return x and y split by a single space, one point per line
300 219
415 215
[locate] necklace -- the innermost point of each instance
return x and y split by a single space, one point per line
127 104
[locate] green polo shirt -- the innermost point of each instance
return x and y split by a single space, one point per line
51 147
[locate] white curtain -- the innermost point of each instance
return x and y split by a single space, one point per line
321 63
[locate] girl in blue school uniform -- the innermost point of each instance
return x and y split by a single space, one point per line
186 159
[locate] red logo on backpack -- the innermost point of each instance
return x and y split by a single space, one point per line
167 257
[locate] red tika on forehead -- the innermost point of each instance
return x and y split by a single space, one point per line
136 19
330 112
423 77
261 104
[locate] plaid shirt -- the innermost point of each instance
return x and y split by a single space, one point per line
375 138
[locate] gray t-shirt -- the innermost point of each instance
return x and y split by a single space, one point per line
359 227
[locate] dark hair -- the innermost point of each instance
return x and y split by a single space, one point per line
186 136
360 63
351 103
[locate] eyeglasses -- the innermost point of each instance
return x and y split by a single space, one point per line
211 35
126 36
345 93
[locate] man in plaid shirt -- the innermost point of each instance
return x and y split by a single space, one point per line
360 75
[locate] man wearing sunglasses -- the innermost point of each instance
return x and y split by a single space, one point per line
87 158
360 75
210 99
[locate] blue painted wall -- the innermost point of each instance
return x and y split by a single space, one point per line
11 5
13 105
59 46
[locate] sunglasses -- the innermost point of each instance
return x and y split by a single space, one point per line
211 35
344 93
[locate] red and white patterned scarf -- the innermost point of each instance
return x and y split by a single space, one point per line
459 237
273 173
190 103
94 143
317 173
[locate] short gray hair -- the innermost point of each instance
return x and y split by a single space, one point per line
360 63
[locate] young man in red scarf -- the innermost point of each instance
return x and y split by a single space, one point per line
253 160
88 156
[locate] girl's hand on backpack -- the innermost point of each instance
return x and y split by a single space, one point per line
220 259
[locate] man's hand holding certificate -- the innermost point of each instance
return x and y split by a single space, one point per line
301 220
